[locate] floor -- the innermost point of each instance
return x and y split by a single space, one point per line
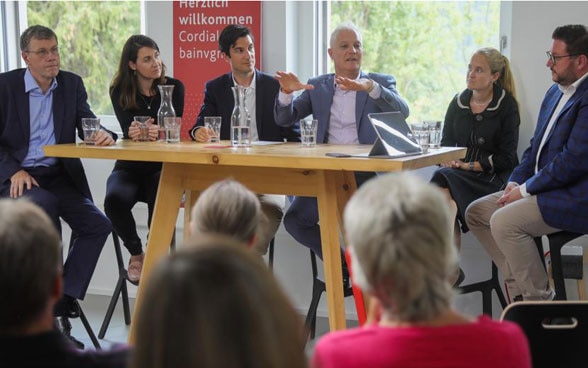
95 306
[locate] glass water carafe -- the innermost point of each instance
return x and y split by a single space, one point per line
240 119
166 109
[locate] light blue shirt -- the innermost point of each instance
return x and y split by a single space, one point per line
41 121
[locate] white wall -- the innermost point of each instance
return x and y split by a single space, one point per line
284 25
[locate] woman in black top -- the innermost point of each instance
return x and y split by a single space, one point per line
134 92
485 119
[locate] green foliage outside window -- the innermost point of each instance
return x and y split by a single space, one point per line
426 46
91 36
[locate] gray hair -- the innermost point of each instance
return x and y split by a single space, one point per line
37 32
347 26
30 262
400 232
226 207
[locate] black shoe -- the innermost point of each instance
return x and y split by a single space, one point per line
517 298
64 325
460 278
67 307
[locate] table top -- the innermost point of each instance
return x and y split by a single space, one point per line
282 155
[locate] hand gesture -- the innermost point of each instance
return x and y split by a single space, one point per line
362 84
289 82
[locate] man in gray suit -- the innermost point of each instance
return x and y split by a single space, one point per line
340 102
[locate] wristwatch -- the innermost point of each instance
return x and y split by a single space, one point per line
471 165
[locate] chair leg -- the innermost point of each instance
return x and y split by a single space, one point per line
271 254
318 287
89 330
557 272
486 287
121 288
111 307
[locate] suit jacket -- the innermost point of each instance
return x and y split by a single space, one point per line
70 105
318 103
561 185
219 101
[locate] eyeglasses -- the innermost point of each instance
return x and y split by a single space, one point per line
43 53
554 58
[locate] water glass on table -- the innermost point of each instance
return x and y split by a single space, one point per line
435 133
172 129
308 128
213 124
90 126
421 134
143 127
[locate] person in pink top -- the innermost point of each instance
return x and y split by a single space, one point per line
400 234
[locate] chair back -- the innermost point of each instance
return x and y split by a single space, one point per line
557 331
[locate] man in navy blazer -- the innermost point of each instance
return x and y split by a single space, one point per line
548 191
237 45
41 105
340 102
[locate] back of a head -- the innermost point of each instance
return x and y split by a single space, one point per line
216 305
226 207
29 263
400 233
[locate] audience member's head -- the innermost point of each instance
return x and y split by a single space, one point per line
229 208
215 304
399 231
30 268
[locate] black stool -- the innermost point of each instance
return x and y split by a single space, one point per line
486 287
556 241
318 287
121 288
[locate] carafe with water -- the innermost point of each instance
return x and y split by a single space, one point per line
240 119
166 109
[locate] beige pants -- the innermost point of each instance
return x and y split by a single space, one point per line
507 235
272 210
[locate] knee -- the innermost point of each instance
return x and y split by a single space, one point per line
474 214
102 224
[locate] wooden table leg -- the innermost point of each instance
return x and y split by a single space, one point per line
165 214
328 215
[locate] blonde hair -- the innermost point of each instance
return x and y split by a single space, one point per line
226 207
500 64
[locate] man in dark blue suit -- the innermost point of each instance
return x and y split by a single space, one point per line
548 191
237 45
39 106
341 103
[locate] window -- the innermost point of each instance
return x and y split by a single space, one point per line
426 46
91 36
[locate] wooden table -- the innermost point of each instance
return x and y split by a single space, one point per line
273 169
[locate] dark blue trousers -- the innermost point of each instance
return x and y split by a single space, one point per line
60 198
302 219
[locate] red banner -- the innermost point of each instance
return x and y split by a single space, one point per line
197 59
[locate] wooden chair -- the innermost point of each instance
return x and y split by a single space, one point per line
557 331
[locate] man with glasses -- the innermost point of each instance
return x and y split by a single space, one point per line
41 105
548 191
